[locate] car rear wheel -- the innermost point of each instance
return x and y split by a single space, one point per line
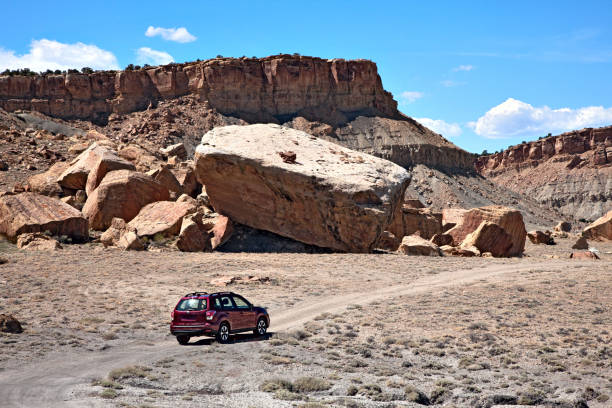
261 327
223 333
182 340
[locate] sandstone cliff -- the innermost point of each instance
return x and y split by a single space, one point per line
339 100
571 171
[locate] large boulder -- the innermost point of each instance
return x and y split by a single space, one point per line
186 179
581 243
563 226
75 176
415 245
192 237
30 212
508 219
296 185
584 255
46 183
166 178
600 230
121 194
420 221
221 232
107 161
161 217
489 237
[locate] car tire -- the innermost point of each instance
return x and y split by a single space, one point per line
261 328
182 340
223 333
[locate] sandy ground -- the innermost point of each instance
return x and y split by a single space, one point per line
347 330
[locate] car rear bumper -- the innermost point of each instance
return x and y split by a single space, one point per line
193 330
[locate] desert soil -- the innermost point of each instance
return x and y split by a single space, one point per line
347 330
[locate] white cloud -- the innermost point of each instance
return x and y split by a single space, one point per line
146 55
440 126
463 68
180 34
450 83
410 96
513 118
47 54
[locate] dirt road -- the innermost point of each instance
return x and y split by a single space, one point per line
51 382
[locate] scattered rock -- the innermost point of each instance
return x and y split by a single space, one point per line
441 239
583 255
130 241
229 280
8 324
415 245
46 183
336 198
508 219
540 237
161 217
35 241
114 233
187 180
581 243
288 157
563 226
489 237
600 229
193 237
388 241
122 194
175 150
3 260
3 165
30 212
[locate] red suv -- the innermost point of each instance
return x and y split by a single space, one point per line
216 314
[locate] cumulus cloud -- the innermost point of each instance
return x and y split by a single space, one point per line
514 117
47 54
410 96
463 68
180 34
441 127
146 55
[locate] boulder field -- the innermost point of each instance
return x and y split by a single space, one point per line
325 195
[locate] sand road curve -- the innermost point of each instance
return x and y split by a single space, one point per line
49 383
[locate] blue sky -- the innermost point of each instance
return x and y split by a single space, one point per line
485 74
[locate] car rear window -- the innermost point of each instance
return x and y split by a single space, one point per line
191 304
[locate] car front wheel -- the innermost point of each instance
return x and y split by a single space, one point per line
182 340
223 333
261 328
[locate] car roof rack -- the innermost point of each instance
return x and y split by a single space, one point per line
196 294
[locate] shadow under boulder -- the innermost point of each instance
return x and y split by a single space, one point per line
247 239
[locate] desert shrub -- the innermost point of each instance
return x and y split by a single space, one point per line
413 394
275 385
310 384
129 372
109 393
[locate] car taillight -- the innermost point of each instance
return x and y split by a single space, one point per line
172 315
210 315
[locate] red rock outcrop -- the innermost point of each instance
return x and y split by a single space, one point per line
121 194
332 197
30 212
571 171
490 237
508 219
254 88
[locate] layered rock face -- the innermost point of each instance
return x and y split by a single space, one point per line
339 100
257 89
327 196
571 171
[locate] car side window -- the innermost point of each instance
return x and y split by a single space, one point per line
226 303
217 304
241 304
